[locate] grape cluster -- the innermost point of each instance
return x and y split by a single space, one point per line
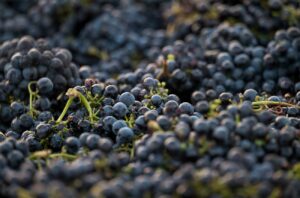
32 73
282 61
229 58
111 35
107 136
117 38
225 58
25 60
262 17
150 98
44 18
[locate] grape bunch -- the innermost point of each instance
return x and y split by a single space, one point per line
117 38
123 30
263 17
32 73
26 60
149 98
282 62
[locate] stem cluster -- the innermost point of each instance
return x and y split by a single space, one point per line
72 93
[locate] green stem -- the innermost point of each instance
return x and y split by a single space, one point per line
68 104
39 165
132 151
87 106
63 155
39 154
260 108
73 93
30 104
32 95
274 103
47 154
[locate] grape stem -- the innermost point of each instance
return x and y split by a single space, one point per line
32 95
73 93
63 155
87 105
48 154
165 73
258 103
63 113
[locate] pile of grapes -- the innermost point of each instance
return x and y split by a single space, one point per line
150 98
